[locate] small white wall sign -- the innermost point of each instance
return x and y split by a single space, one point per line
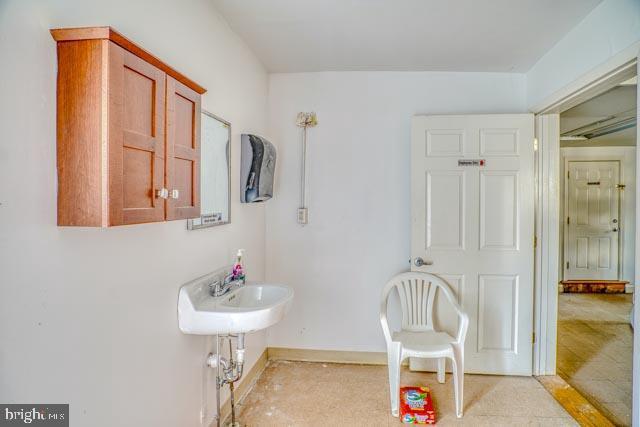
471 162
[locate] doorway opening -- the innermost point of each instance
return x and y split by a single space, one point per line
550 263
597 248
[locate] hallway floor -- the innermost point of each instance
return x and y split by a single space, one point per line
331 394
595 350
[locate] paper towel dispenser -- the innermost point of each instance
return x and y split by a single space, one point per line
258 164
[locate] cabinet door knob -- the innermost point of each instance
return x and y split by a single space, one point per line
162 193
175 194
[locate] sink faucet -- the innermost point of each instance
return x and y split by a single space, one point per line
220 288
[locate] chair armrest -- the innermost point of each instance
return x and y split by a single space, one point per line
464 318
383 316
462 328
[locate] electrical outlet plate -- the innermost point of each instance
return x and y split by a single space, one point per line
303 215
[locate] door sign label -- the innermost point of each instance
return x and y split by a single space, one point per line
471 162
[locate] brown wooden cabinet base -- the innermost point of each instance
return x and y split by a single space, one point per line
128 133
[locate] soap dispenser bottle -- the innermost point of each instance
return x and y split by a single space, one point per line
238 268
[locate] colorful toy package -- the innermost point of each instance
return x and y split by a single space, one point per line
416 406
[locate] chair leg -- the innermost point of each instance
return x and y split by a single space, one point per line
393 357
441 368
458 378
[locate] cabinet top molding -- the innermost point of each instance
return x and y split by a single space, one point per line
108 33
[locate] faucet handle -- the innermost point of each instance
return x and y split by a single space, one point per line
214 288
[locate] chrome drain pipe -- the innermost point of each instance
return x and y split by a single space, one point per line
228 371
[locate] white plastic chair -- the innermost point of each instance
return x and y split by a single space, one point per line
417 337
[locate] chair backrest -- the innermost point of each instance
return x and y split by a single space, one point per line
417 292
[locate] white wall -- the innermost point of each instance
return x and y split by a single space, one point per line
359 230
627 157
88 316
609 29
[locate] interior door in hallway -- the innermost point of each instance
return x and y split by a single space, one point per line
472 183
592 222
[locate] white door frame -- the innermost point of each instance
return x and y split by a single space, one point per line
547 243
617 69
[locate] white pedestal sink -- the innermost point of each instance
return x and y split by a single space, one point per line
248 308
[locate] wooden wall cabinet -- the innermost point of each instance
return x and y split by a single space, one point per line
128 133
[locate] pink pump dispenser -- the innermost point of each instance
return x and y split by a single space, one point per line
238 269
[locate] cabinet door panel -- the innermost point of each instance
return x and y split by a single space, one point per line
136 139
183 151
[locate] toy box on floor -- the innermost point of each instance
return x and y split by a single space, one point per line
416 406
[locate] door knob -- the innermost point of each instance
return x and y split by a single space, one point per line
615 229
163 193
419 262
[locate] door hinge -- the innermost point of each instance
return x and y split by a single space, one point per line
533 337
535 241
567 265
568 174
568 220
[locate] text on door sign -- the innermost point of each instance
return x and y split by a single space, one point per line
471 162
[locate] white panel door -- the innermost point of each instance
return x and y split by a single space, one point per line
592 204
474 223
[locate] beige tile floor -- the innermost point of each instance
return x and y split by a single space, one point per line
595 350
324 394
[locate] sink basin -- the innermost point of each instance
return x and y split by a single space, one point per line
248 308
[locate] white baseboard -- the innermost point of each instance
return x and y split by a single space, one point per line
327 356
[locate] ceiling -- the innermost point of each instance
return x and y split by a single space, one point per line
448 35
607 119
